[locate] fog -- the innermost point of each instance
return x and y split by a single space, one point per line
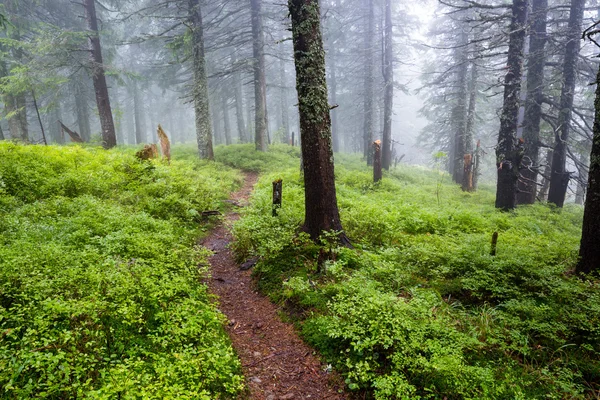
195 67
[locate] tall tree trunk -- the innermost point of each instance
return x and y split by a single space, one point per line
589 252
249 120
83 115
368 85
388 77
469 180
285 119
459 112
109 138
138 113
226 125
583 177
469 128
321 211
260 81
10 108
508 151
559 180
200 90
55 130
239 105
543 192
21 107
533 104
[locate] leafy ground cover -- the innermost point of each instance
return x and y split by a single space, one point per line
419 308
100 290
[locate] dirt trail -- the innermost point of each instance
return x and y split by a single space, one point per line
277 364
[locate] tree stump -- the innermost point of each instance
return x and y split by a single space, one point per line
377 173
277 188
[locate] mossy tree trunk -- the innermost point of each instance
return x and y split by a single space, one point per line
200 90
508 151
589 251
109 138
560 177
533 104
321 211
260 81
239 103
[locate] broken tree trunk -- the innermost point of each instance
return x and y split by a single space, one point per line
74 135
377 173
467 178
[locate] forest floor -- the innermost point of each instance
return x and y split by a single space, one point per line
277 364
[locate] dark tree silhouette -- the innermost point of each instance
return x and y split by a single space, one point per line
589 251
508 151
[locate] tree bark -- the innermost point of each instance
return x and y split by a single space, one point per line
560 177
368 85
583 177
260 81
321 211
377 173
109 138
388 77
508 151
533 103
589 251
200 90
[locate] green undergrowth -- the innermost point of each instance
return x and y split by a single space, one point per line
101 295
419 308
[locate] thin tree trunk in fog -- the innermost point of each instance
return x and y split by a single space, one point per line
533 104
471 110
388 77
589 252
368 85
2 133
14 125
200 90
260 82
559 180
138 113
226 125
459 112
83 115
584 159
21 107
508 152
239 105
97 68
249 120
285 120
543 193
118 118
321 211
55 130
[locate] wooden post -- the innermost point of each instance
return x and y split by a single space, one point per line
377 174
494 243
277 187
